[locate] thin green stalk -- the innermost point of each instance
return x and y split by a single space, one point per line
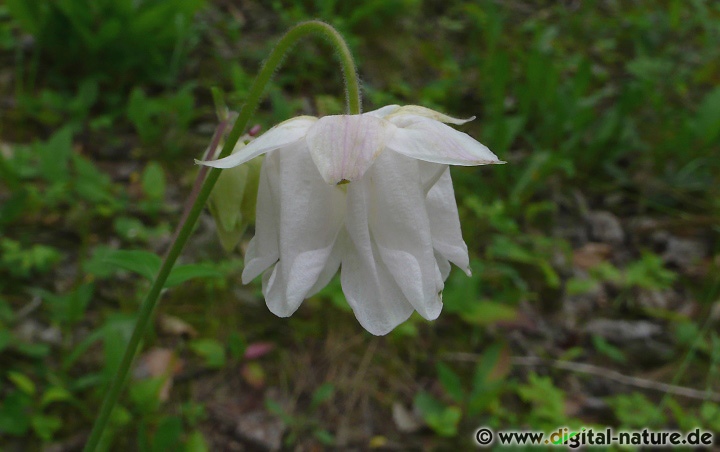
185 228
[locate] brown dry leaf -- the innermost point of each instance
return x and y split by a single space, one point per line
175 326
405 420
159 362
503 365
253 374
591 255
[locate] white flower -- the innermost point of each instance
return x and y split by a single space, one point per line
370 194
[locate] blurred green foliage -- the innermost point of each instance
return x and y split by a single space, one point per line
613 102
115 42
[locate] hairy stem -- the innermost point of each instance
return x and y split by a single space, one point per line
197 202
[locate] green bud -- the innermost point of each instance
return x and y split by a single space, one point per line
232 201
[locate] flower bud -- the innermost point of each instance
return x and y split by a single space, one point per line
232 201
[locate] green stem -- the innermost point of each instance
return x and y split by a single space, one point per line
185 228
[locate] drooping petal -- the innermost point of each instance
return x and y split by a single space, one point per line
310 216
263 249
430 173
432 141
427 113
443 265
343 147
284 134
370 289
331 267
400 226
445 223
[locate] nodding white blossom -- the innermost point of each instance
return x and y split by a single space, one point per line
368 194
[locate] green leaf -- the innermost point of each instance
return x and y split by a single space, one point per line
33 350
14 419
92 184
236 345
450 382
326 438
6 312
30 15
144 263
442 419
55 394
115 335
634 410
488 312
22 382
182 273
6 338
607 349
69 308
707 121
54 156
547 400
167 435
153 181
485 366
145 394
196 442
649 273
46 426
221 109
322 394
211 350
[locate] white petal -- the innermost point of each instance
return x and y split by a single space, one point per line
343 147
282 135
311 215
445 223
432 141
383 111
430 173
443 265
401 228
263 251
331 268
371 291
417 110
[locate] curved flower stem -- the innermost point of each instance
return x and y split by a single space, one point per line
199 197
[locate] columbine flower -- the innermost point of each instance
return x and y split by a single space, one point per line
370 194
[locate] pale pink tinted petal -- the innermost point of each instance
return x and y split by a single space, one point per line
283 134
343 147
432 141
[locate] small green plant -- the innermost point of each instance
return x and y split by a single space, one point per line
481 395
300 425
27 407
162 120
23 261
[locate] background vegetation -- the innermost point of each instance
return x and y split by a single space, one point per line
595 250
